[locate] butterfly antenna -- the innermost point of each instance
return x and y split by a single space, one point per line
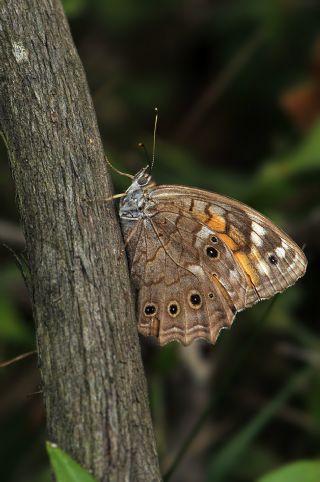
154 137
117 170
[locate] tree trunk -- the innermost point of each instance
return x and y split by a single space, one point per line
93 382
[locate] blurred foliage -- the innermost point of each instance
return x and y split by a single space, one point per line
237 84
221 464
299 471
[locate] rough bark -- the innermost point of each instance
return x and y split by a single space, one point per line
93 382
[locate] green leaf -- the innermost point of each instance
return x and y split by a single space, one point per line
306 471
65 468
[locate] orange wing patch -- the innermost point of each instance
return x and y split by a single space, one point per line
229 242
216 223
247 266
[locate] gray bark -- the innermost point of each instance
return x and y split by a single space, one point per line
93 382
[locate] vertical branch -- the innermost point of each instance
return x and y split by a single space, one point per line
94 387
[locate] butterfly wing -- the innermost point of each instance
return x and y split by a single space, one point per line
267 256
177 299
198 258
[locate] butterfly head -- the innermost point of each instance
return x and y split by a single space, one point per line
142 178
132 204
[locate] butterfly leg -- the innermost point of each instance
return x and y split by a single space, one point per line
117 170
105 199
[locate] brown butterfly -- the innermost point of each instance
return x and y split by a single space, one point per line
197 258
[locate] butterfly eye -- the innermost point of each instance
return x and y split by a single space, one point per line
211 252
214 239
143 181
273 259
173 308
150 309
195 300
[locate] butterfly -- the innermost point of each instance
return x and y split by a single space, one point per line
197 258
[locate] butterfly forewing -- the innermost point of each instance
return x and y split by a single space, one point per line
270 260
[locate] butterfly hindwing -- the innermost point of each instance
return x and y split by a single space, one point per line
176 298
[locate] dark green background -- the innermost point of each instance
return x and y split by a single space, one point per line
242 58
